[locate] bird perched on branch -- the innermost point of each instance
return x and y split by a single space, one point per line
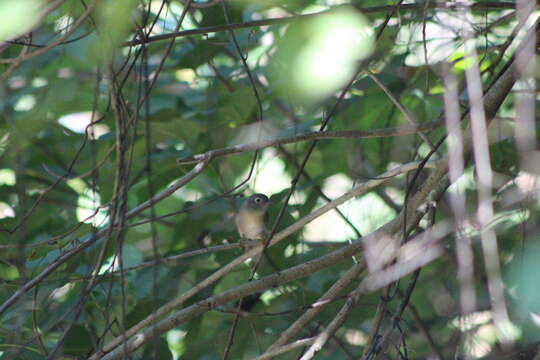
251 219
251 222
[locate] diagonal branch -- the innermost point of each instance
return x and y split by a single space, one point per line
356 191
100 234
411 256
423 251
330 294
285 348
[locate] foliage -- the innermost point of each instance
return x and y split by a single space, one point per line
104 102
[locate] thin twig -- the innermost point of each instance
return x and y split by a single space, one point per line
412 121
18 61
488 5
423 328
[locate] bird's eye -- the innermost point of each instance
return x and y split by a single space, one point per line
258 200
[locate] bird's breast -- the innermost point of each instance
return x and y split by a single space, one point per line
250 226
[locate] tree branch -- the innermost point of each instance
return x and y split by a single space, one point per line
356 191
315 135
330 294
69 254
411 256
485 5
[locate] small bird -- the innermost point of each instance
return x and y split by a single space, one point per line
251 219
251 225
